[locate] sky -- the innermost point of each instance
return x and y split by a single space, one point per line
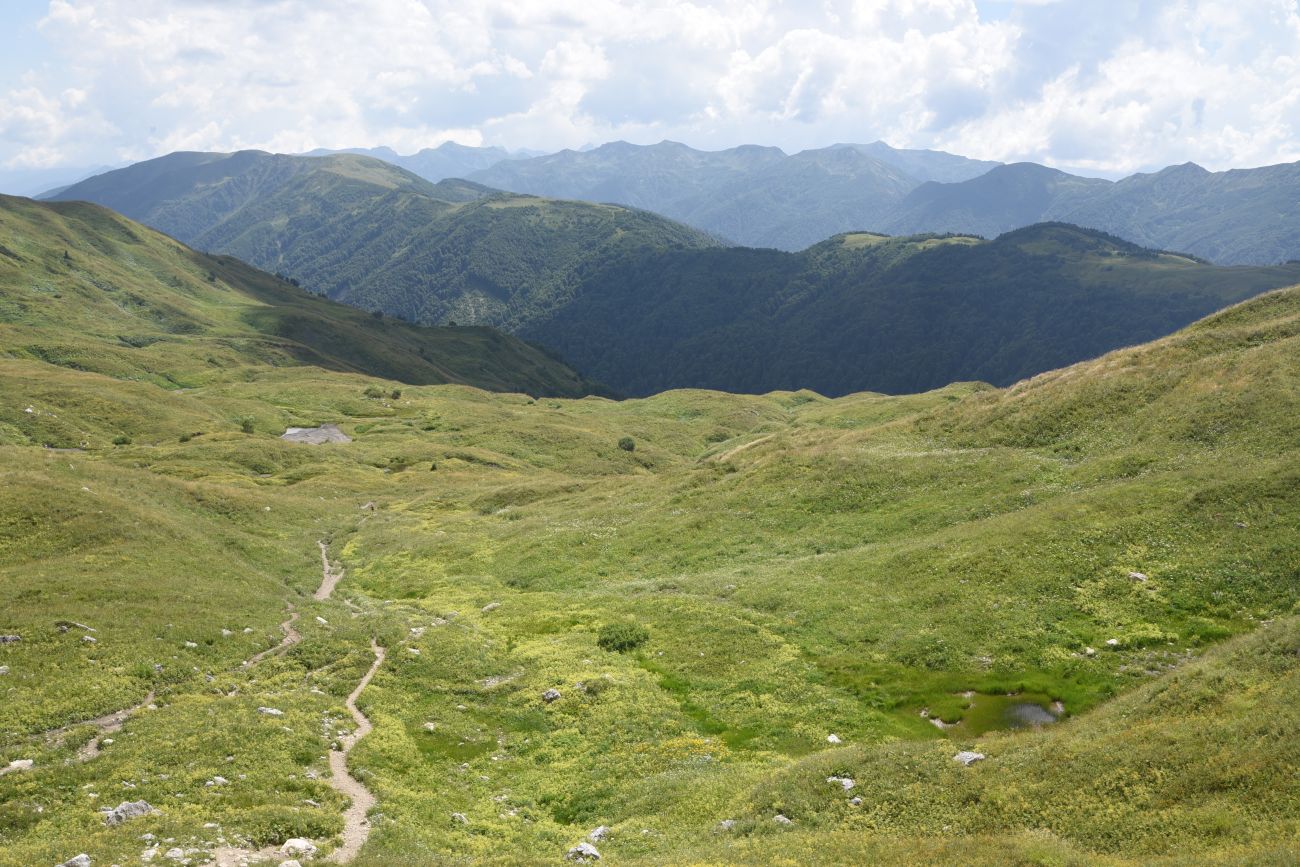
1097 86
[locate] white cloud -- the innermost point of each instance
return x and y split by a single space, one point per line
1111 86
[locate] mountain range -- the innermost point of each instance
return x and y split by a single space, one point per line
642 303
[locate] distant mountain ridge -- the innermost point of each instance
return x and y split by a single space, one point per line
751 195
644 304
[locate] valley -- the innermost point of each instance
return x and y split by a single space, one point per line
808 575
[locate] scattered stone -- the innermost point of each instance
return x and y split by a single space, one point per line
217 781
248 630
10 639
833 739
460 818
491 606
292 862
190 645
226 633
1112 642
174 854
127 810
967 757
844 782
82 860
298 846
782 819
368 507
1137 576
4 669
583 852
855 801
65 625
1090 651
17 765
417 631
89 639
726 824
270 711
551 695
599 834
316 436
322 621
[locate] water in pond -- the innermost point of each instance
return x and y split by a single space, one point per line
977 713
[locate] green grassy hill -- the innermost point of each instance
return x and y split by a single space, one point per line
378 237
896 315
1118 536
86 289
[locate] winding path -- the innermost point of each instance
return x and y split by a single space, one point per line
291 637
107 725
356 825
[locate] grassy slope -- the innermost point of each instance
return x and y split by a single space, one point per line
804 566
86 289
379 237
894 315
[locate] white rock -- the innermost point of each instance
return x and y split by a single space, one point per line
127 810
226 633
174 854
583 852
17 765
298 846
1112 642
217 781
857 802
1090 651
599 834
248 630
1137 576
4 669
967 757
322 621
270 711
89 639
726 824
82 860
782 819
292 862
191 645
833 739
491 606
551 695
845 782
460 818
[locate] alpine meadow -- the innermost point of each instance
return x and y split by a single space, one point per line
406 460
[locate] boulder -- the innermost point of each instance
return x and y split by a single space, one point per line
4 669
1137 576
127 810
491 606
17 765
10 639
967 757
82 860
833 739
782 819
599 834
583 852
298 846
551 695
460 818
726 824
1112 642
844 782
270 711
316 436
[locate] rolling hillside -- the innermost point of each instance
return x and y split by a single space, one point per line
86 289
818 585
378 237
882 314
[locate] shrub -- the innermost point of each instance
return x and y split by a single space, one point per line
395 393
373 391
121 440
621 637
627 444
246 424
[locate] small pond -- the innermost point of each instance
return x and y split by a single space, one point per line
975 713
